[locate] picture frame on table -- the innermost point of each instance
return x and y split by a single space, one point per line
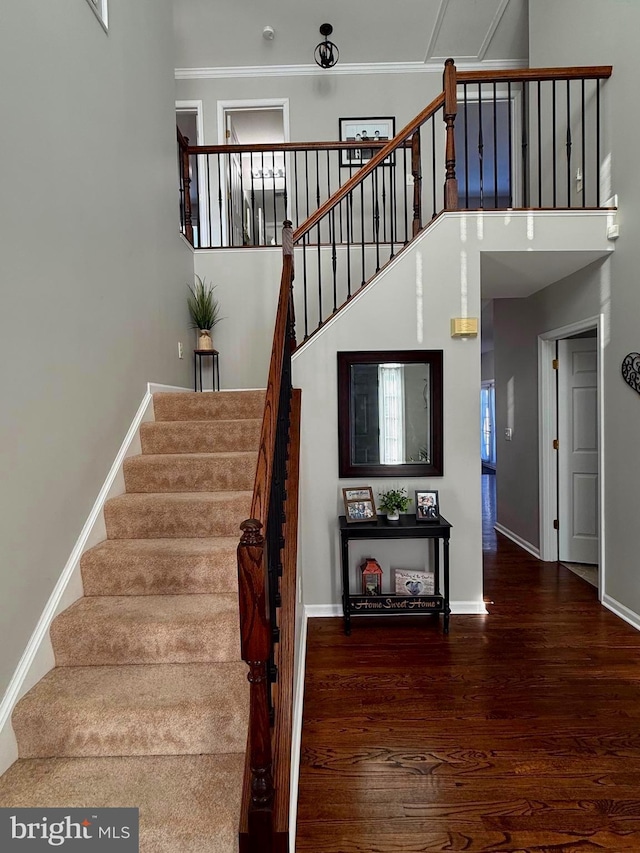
427 505
359 504
411 582
377 128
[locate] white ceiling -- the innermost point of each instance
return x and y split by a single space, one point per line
506 275
229 32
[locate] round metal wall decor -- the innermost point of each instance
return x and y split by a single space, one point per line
631 370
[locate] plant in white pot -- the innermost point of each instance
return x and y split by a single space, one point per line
393 502
204 310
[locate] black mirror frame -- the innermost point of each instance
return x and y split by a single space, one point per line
412 469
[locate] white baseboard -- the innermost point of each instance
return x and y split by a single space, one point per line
468 608
532 549
37 659
157 388
629 616
322 610
296 734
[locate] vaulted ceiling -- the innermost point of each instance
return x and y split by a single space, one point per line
223 33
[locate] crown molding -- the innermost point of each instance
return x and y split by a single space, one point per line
417 67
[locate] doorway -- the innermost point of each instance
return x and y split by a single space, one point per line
255 183
190 124
571 446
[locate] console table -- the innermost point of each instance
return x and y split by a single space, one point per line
397 605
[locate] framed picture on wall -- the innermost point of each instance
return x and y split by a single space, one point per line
362 131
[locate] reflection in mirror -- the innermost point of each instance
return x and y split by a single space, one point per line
390 413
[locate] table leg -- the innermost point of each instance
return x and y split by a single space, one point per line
200 360
195 372
436 566
345 586
447 608
217 372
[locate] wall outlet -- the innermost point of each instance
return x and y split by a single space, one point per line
180 350
579 184
508 433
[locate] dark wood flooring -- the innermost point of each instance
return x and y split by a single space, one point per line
520 731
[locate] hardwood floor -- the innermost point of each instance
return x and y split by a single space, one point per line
520 731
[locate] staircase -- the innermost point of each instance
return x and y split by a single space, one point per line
148 703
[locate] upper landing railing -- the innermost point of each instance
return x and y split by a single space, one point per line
529 138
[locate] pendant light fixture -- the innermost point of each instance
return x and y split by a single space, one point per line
326 53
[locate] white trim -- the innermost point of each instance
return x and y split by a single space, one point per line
296 733
189 107
157 388
546 428
180 234
468 608
101 11
535 552
629 616
435 32
322 610
416 67
38 658
493 26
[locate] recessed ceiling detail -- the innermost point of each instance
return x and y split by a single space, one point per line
464 29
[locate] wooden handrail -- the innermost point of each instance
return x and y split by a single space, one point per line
264 469
366 170
254 579
523 75
267 147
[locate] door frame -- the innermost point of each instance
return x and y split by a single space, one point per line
547 426
253 104
204 235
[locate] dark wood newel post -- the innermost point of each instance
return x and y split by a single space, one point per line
416 171
450 112
186 182
255 648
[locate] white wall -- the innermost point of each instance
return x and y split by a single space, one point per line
409 307
92 270
247 286
583 32
316 103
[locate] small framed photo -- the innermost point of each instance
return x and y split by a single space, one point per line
363 130
408 582
427 507
359 504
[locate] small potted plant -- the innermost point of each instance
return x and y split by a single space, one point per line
393 502
204 311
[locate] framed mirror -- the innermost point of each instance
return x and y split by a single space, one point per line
390 413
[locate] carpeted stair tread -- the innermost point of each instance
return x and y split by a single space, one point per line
190 472
161 566
113 630
179 515
200 436
166 709
188 804
220 405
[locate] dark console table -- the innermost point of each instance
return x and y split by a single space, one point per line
397 605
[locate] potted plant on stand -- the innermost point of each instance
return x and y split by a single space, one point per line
204 311
393 502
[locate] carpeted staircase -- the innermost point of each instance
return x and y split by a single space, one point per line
148 703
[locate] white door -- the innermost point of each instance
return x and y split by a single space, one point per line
578 450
